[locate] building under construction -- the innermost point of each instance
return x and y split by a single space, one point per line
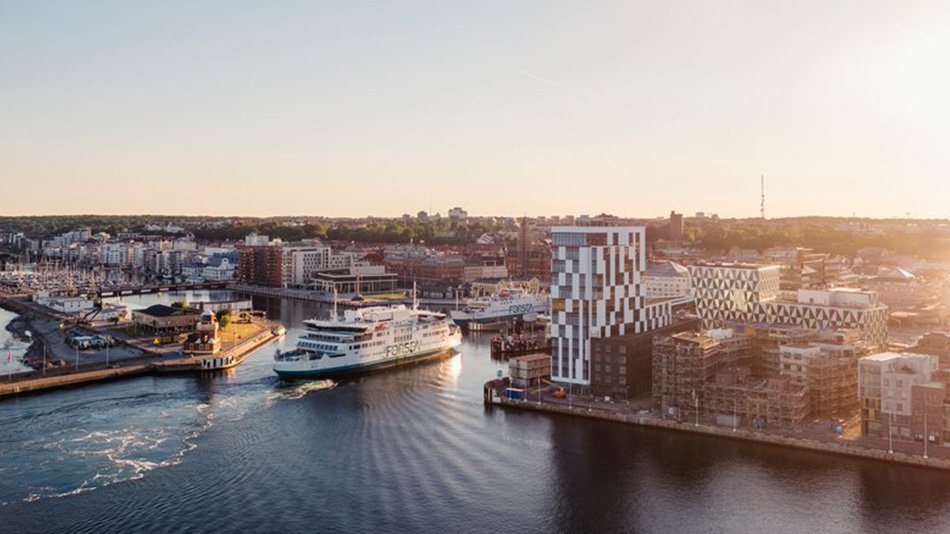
760 373
736 398
686 363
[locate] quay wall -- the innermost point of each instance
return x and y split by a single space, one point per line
739 434
36 385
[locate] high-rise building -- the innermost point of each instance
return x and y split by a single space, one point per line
596 291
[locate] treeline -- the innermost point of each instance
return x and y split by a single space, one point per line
454 232
47 226
722 236
287 229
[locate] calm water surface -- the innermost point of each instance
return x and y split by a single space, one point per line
412 450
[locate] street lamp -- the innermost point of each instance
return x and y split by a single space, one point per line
890 433
735 413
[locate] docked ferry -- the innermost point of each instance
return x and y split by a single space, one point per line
367 339
507 304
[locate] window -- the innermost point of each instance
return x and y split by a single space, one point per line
569 239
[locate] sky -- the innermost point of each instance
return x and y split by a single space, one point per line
504 108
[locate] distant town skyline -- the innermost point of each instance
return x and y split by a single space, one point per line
535 108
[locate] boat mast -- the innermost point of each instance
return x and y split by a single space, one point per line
415 297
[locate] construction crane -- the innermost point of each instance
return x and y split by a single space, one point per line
762 201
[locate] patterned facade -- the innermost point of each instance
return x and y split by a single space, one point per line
597 291
750 294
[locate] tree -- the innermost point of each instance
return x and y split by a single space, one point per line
224 318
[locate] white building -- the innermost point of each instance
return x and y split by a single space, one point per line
300 262
115 254
666 279
885 387
457 214
482 272
256 240
750 294
70 305
596 291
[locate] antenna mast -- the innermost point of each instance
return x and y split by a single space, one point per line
762 203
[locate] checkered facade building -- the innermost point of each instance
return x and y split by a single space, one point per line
597 291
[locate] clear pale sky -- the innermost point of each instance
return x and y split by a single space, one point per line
512 107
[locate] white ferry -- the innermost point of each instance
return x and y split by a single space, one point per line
504 305
368 339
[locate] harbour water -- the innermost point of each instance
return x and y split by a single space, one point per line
411 450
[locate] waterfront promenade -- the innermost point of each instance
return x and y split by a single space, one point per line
805 439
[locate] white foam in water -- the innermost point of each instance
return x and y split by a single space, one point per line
300 390
113 455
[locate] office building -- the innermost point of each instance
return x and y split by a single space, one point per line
750 294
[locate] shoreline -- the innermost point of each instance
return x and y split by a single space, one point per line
838 448
51 360
153 366
18 326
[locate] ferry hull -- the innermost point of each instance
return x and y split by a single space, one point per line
353 370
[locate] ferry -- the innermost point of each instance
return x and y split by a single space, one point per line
367 339
505 305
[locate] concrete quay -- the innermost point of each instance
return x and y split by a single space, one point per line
938 459
150 366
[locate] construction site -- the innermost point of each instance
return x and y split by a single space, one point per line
760 377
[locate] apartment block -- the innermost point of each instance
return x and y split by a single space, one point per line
597 291
902 397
